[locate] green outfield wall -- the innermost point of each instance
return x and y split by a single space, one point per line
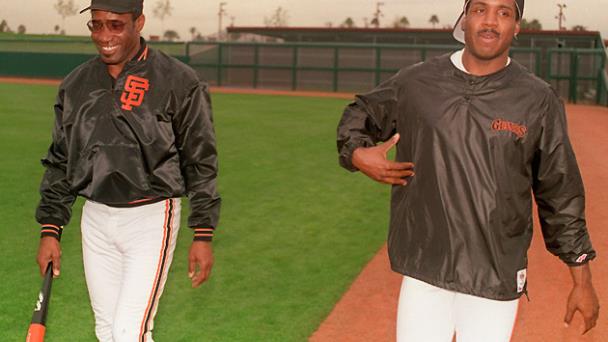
55 57
578 74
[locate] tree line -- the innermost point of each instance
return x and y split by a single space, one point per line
278 18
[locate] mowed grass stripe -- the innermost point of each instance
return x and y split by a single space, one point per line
295 228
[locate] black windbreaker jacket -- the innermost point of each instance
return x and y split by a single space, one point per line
147 136
482 147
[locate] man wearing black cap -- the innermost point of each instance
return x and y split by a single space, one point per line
133 133
483 135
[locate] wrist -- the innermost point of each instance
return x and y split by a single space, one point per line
355 157
51 230
581 275
203 234
347 153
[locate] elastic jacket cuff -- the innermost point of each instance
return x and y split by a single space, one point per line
51 230
203 234
346 153
579 260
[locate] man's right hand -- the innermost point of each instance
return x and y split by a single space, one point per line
49 250
372 161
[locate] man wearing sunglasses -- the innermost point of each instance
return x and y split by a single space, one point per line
133 133
485 136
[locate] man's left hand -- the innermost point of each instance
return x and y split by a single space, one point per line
583 298
200 262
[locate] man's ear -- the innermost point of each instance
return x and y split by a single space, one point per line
139 22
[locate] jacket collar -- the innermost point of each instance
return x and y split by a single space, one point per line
142 54
501 76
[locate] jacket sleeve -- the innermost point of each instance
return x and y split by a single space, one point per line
558 190
55 207
195 141
369 119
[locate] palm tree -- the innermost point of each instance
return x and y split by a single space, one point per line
401 22
4 26
171 35
279 18
348 23
534 24
65 9
161 10
375 22
434 20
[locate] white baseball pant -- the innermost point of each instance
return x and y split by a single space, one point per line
127 253
431 314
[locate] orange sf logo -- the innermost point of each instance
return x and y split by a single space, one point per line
135 89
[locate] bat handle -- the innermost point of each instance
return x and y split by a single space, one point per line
37 327
35 333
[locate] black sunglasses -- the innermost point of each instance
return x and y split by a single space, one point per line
114 26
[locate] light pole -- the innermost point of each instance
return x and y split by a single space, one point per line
220 14
561 17
378 14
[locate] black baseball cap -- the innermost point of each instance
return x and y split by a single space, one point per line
459 33
117 6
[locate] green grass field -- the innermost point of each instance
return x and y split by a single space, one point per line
295 228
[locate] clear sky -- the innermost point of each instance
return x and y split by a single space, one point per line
39 16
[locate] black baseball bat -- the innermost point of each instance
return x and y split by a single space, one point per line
38 325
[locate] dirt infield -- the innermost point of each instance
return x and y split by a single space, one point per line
17 80
367 311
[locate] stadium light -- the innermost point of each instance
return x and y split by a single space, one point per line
561 17
221 13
